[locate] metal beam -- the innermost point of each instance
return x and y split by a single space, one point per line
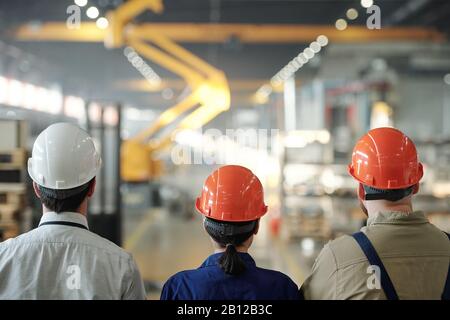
57 31
276 33
219 33
122 15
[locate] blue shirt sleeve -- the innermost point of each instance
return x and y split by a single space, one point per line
167 292
293 292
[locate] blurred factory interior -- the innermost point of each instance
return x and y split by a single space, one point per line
172 89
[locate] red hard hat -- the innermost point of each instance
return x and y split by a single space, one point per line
385 158
232 193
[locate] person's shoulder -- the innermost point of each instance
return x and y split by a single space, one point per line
87 239
176 287
20 239
108 246
340 242
7 244
277 276
200 277
178 283
344 250
181 276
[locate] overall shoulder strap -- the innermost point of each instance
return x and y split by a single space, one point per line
374 259
446 293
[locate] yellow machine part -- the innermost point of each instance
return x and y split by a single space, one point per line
137 162
135 159
157 167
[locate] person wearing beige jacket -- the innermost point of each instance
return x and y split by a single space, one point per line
399 254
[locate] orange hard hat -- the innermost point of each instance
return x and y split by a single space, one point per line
232 193
385 158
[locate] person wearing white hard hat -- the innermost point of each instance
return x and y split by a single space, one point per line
62 259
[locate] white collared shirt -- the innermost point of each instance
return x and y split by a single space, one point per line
66 261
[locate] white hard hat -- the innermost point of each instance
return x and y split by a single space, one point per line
63 157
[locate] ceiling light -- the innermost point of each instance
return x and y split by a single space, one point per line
275 82
102 23
366 3
341 24
92 12
302 58
81 3
322 40
296 63
352 14
291 68
315 46
447 79
308 53
300 63
127 51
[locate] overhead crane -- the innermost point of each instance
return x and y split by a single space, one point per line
209 89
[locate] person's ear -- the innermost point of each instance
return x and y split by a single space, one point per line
36 190
416 188
256 228
92 188
361 192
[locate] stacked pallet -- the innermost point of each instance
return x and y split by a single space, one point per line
12 192
12 178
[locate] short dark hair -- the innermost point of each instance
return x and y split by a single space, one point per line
55 200
230 262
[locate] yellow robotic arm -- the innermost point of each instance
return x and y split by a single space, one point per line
209 96
209 89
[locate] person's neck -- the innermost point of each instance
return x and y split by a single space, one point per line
383 206
81 210
238 249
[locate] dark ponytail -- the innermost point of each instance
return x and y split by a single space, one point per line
230 235
230 262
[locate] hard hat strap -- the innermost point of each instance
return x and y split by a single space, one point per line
227 229
390 195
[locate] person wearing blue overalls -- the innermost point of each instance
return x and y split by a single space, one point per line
232 202
399 254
